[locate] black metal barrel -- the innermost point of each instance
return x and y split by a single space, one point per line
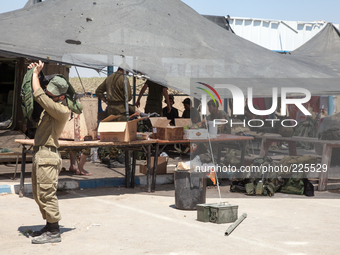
190 189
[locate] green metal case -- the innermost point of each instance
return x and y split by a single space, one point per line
203 212
217 213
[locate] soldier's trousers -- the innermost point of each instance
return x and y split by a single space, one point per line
149 108
118 110
45 170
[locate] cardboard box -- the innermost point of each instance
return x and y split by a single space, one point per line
142 136
168 133
123 131
161 166
182 122
182 166
195 133
163 131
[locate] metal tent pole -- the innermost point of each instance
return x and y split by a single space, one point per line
330 105
126 97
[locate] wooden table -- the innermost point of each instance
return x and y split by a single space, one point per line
127 146
328 146
222 140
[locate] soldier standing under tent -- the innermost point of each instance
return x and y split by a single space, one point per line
155 97
46 160
114 87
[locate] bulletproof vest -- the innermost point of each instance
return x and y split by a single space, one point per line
330 134
269 183
258 183
305 129
295 182
31 109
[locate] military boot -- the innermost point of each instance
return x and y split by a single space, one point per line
52 235
40 232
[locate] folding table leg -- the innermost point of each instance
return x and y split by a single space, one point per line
264 147
16 167
219 148
127 168
243 151
22 175
153 187
133 172
326 160
148 178
292 148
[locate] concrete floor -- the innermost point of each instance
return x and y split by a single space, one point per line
131 221
117 220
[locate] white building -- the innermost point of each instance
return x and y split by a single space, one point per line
276 35
280 36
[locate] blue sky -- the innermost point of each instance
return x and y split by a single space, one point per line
295 10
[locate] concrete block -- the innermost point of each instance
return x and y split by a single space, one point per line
160 179
68 184
27 188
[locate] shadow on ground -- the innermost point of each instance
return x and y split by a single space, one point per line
28 230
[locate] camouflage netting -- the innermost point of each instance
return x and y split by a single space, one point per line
165 40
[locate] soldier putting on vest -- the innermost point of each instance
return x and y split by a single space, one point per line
46 159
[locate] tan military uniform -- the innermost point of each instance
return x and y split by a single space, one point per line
115 89
47 161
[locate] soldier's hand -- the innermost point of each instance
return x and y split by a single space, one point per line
38 67
169 108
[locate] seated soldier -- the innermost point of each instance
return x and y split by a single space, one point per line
215 113
190 112
173 114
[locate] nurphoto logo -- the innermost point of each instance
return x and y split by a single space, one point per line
239 104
